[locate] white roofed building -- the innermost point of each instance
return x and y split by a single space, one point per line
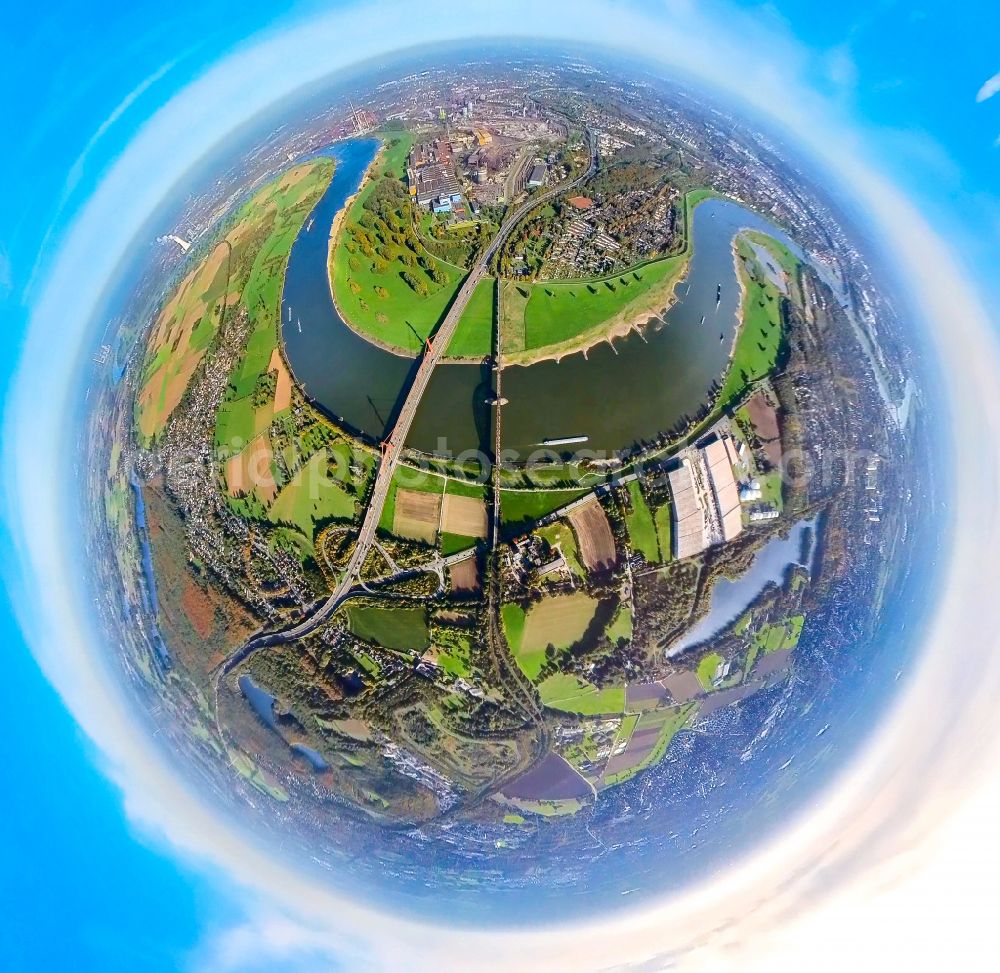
690 535
717 457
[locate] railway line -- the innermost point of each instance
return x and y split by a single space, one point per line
435 348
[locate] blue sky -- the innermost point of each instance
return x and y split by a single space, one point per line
912 69
78 884
76 888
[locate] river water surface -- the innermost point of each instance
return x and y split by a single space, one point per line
615 395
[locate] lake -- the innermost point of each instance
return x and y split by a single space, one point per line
261 700
731 598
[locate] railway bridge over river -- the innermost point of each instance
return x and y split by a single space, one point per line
434 349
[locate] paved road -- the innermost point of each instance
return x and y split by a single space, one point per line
435 348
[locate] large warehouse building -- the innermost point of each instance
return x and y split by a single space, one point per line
719 461
690 536
706 498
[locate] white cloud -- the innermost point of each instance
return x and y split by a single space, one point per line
841 67
76 171
989 89
869 857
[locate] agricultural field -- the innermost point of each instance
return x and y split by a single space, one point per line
280 465
464 576
455 543
527 506
184 329
243 417
410 481
570 694
773 637
639 521
252 471
559 535
513 618
394 628
645 696
593 534
417 515
300 476
465 516
245 267
648 742
386 284
664 528
312 498
557 620
684 685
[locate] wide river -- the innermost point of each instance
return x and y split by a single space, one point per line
615 395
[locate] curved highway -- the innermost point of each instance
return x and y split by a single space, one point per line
392 447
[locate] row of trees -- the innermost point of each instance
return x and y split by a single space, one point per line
384 233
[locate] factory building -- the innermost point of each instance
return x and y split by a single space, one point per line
690 537
706 498
433 183
717 457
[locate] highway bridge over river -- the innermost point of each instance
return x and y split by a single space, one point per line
392 448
